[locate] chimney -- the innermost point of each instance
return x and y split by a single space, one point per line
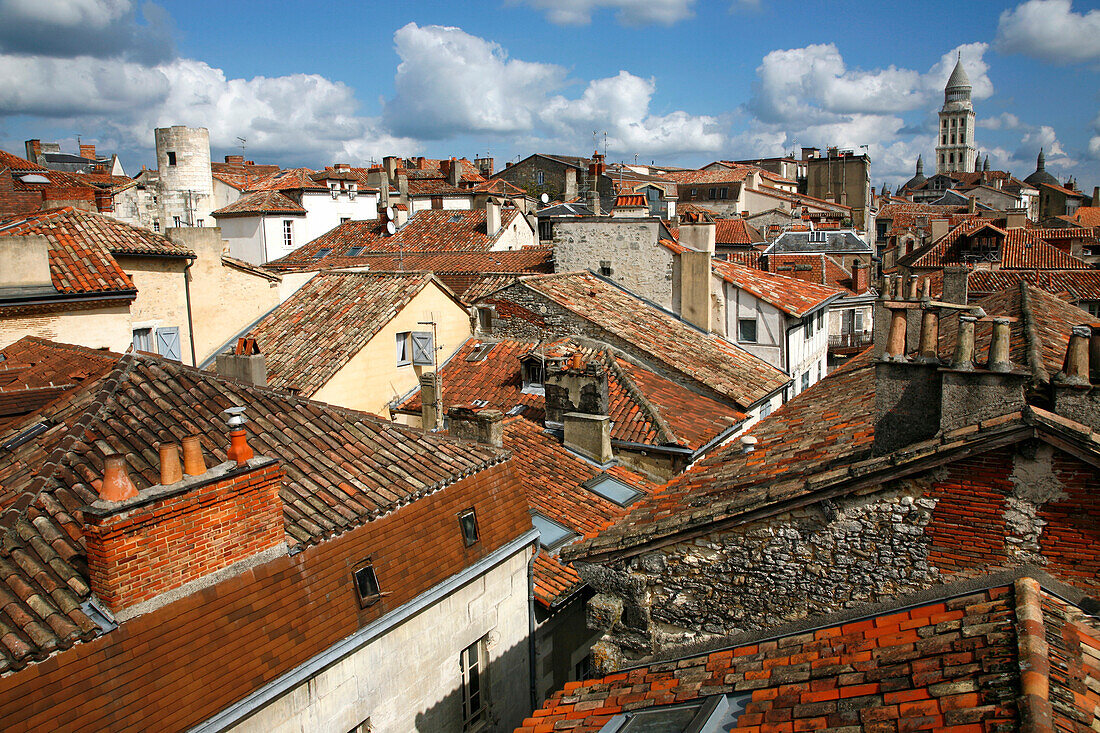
1015 218
87 151
589 435
341 167
940 227
403 187
401 215
574 385
431 402
244 364
1077 387
695 288
594 201
699 235
859 277
389 165
25 265
238 159
454 172
956 285
483 425
162 542
484 166
971 204
570 192
492 216
34 151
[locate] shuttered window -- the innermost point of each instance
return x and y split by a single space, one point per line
423 348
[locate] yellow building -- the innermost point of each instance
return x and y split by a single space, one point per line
360 339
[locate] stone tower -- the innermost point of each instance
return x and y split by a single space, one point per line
956 151
185 185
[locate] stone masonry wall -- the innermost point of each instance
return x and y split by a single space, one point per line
1027 505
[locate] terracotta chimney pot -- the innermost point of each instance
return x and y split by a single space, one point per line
170 469
895 343
239 449
998 347
1075 368
928 351
964 345
193 462
116 485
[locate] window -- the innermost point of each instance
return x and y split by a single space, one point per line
171 158
820 319
805 381
723 193
540 177
366 584
345 219
944 140
354 251
322 253
765 409
1093 308
143 339
694 192
363 727
474 708
712 194
198 222
612 489
467 522
605 268
404 354
176 221
746 330
288 233
533 374
809 323
551 534
485 318
479 352
156 226
711 714
857 319
415 347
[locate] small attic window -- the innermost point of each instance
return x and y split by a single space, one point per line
366 584
551 534
479 352
455 218
612 489
354 251
322 253
467 522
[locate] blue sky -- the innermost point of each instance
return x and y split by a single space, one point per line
679 81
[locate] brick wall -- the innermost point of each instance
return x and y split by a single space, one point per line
184 662
138 554
1026 504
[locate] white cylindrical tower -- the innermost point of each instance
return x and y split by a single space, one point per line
185 185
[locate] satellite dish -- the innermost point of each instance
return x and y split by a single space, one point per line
545 198
390 228
389 213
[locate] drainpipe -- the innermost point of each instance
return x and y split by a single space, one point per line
531 646
787 357
187 297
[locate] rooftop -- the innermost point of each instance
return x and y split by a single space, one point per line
792 295
1018 249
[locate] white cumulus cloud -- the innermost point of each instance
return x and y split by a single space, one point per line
101 28
1049 30
627 12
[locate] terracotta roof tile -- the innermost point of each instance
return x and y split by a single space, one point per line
736 232
792 295
1019 249
260 202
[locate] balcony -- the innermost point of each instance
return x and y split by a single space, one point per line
850 340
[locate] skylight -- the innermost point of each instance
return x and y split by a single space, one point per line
34 178
323 252
480 352
27 435
551 534
455 218
612 489
354 251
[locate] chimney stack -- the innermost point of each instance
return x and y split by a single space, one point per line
956 285
34 151
389 165
1077 386
193 462
245 364
575 385
589 435
940 227
87 152
238 159
454 172
25 264
860 278
570 191
483 425
431 402
492 216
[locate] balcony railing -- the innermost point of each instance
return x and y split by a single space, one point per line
851 340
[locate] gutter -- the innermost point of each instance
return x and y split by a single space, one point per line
187 298
73 298
531 646
284 683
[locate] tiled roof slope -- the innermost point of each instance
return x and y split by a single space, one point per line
1071 285
315 332
527 260
68 224
815 268
640 400
436 230
343 469
1087 216
736 232
792 295
286 180
705 357
952 664
261 202
1021 249
34 372
8 160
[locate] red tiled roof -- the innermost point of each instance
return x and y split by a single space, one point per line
815 268
792 295
289 179
704 357
736 232
905 669
526 260
1062 190
436 230
725 174
1087 216
260 202
1071 285
1020 249
315 332
892 210
343 469
627 200
34 372
7 160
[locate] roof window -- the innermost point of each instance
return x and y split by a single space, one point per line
479 352
612 489
27 435
323 252
711 714
551 534
467 522
516 410
366 584
455 218
480 403
34 178
355 251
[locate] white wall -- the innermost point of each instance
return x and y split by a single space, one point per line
808 354
323 213
245 238
518 234
409 679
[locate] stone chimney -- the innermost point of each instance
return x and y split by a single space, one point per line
390 165
431 402
34 151
971 204
940 227
244 364
699 235
918 396
480 424
956 286
575 385
859 278
154 545
570 191
1015 218
453 172
594 201
695 277
25 265
87 151
492 216
1077 387
589 435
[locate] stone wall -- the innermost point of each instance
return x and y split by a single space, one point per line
525 175
1002 509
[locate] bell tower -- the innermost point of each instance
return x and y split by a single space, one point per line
956 150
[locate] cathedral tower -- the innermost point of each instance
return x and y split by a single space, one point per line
956 151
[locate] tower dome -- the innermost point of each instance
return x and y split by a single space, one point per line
1040 175
958 85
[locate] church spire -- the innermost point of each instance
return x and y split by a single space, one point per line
920 166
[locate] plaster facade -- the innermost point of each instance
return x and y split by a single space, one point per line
161 300
379 683
105 327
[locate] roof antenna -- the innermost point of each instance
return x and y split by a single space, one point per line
241 144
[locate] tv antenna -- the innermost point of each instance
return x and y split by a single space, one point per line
241 143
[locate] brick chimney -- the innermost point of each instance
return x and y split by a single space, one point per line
859 278
34 151
167 540
389 164
481 424
1077 387
87 151
239 159
245 363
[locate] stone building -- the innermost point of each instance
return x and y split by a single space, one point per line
890 477
955 150
842 177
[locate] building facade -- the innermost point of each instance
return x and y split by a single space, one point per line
955 150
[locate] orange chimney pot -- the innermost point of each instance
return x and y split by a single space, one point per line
193 462
116 484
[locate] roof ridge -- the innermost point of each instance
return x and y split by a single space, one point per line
664 430
1031 336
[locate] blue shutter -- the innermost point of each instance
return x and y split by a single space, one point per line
168 342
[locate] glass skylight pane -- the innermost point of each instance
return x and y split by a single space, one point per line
614 490
551 533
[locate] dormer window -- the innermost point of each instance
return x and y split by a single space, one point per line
534 372
366 584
